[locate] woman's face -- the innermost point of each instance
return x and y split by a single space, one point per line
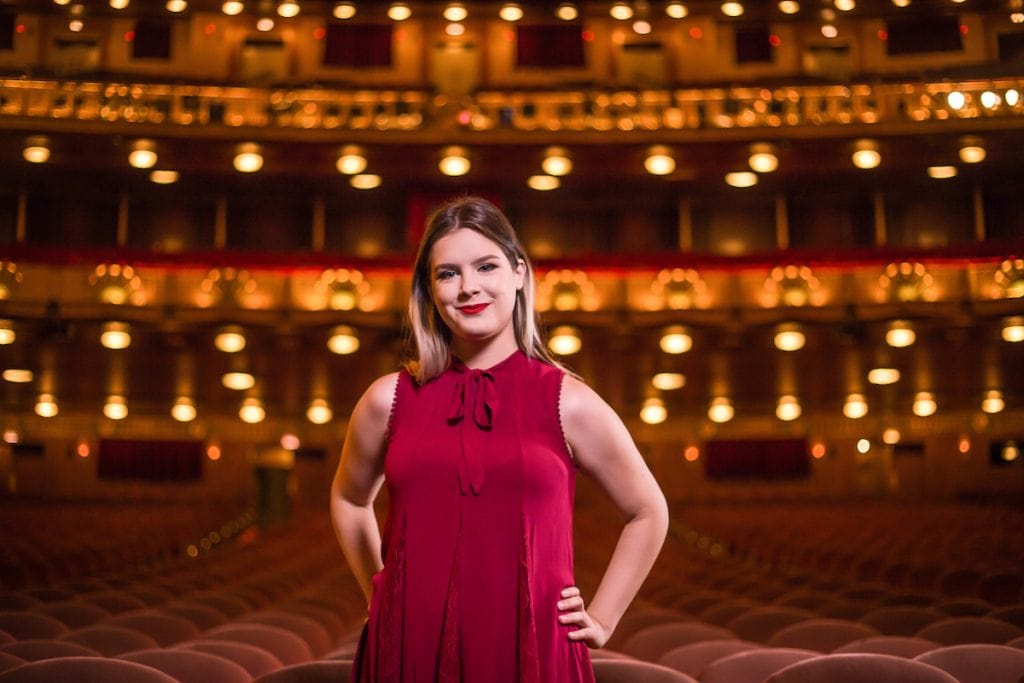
474 286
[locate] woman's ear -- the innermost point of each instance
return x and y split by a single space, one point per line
520 273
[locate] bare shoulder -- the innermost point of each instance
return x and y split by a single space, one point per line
582 410
376 402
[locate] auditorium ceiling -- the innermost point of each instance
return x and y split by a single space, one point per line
830 186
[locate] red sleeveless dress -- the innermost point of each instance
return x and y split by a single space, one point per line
477 543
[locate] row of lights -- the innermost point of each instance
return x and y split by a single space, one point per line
455 161
788 408
252 410
565 340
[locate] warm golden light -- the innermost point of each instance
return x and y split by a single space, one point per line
232 8
18 375
239 381
1013 329
344 10
732 9
343 340
863 446
230 339
176 5
399 11
116 335
543 183
691 454
511 11
676 10
248 158
183 410
351 160
721 410
119 4
11 436
668 381
565 340
1011 451
455 29
789 337
290 442
653 411
900 334
454 161
116 408
46 405
942 172
763 157
676 339
319 412
455 11
7 333
856 406
741 179
82 449
956 100
288 9
789 6
993 402
924 404
556 161
788 408
845 5
884 376
891 436
143 154
972 151
964 445
818 450
866 154
567 11
252 411
366 181
659 160
37 149
621 11
164 177
265 24
213 452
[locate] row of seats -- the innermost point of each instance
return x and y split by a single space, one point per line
280 603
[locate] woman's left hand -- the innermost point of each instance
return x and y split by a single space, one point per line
590 631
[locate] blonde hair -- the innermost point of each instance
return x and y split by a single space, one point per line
431 337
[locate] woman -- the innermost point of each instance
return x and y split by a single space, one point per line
480 439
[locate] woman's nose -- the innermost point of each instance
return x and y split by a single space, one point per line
469 284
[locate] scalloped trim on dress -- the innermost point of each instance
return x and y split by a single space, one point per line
561 427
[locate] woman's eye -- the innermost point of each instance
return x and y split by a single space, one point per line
487 267
445 274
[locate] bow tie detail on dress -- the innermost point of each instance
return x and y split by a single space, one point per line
476 395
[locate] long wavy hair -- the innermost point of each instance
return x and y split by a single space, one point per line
431 337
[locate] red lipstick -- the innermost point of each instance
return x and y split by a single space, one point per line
472 310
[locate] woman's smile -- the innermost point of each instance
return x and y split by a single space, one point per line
472 309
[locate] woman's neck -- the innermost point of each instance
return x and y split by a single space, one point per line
479 354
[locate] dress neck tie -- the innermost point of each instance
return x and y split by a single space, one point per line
476 395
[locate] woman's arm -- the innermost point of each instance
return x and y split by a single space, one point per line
605 451
359 478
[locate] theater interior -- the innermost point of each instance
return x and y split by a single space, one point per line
783 240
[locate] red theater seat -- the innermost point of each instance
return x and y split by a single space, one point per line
36 650
255 660
283 644
25 625
163 628
902 621
821 635
694 658
191 666
615 670
650 643
761 623
978 663
963 630
753 665
907 647
315 635
9 661
858 668
74 614
110 641
84 670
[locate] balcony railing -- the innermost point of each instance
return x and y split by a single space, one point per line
622 111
